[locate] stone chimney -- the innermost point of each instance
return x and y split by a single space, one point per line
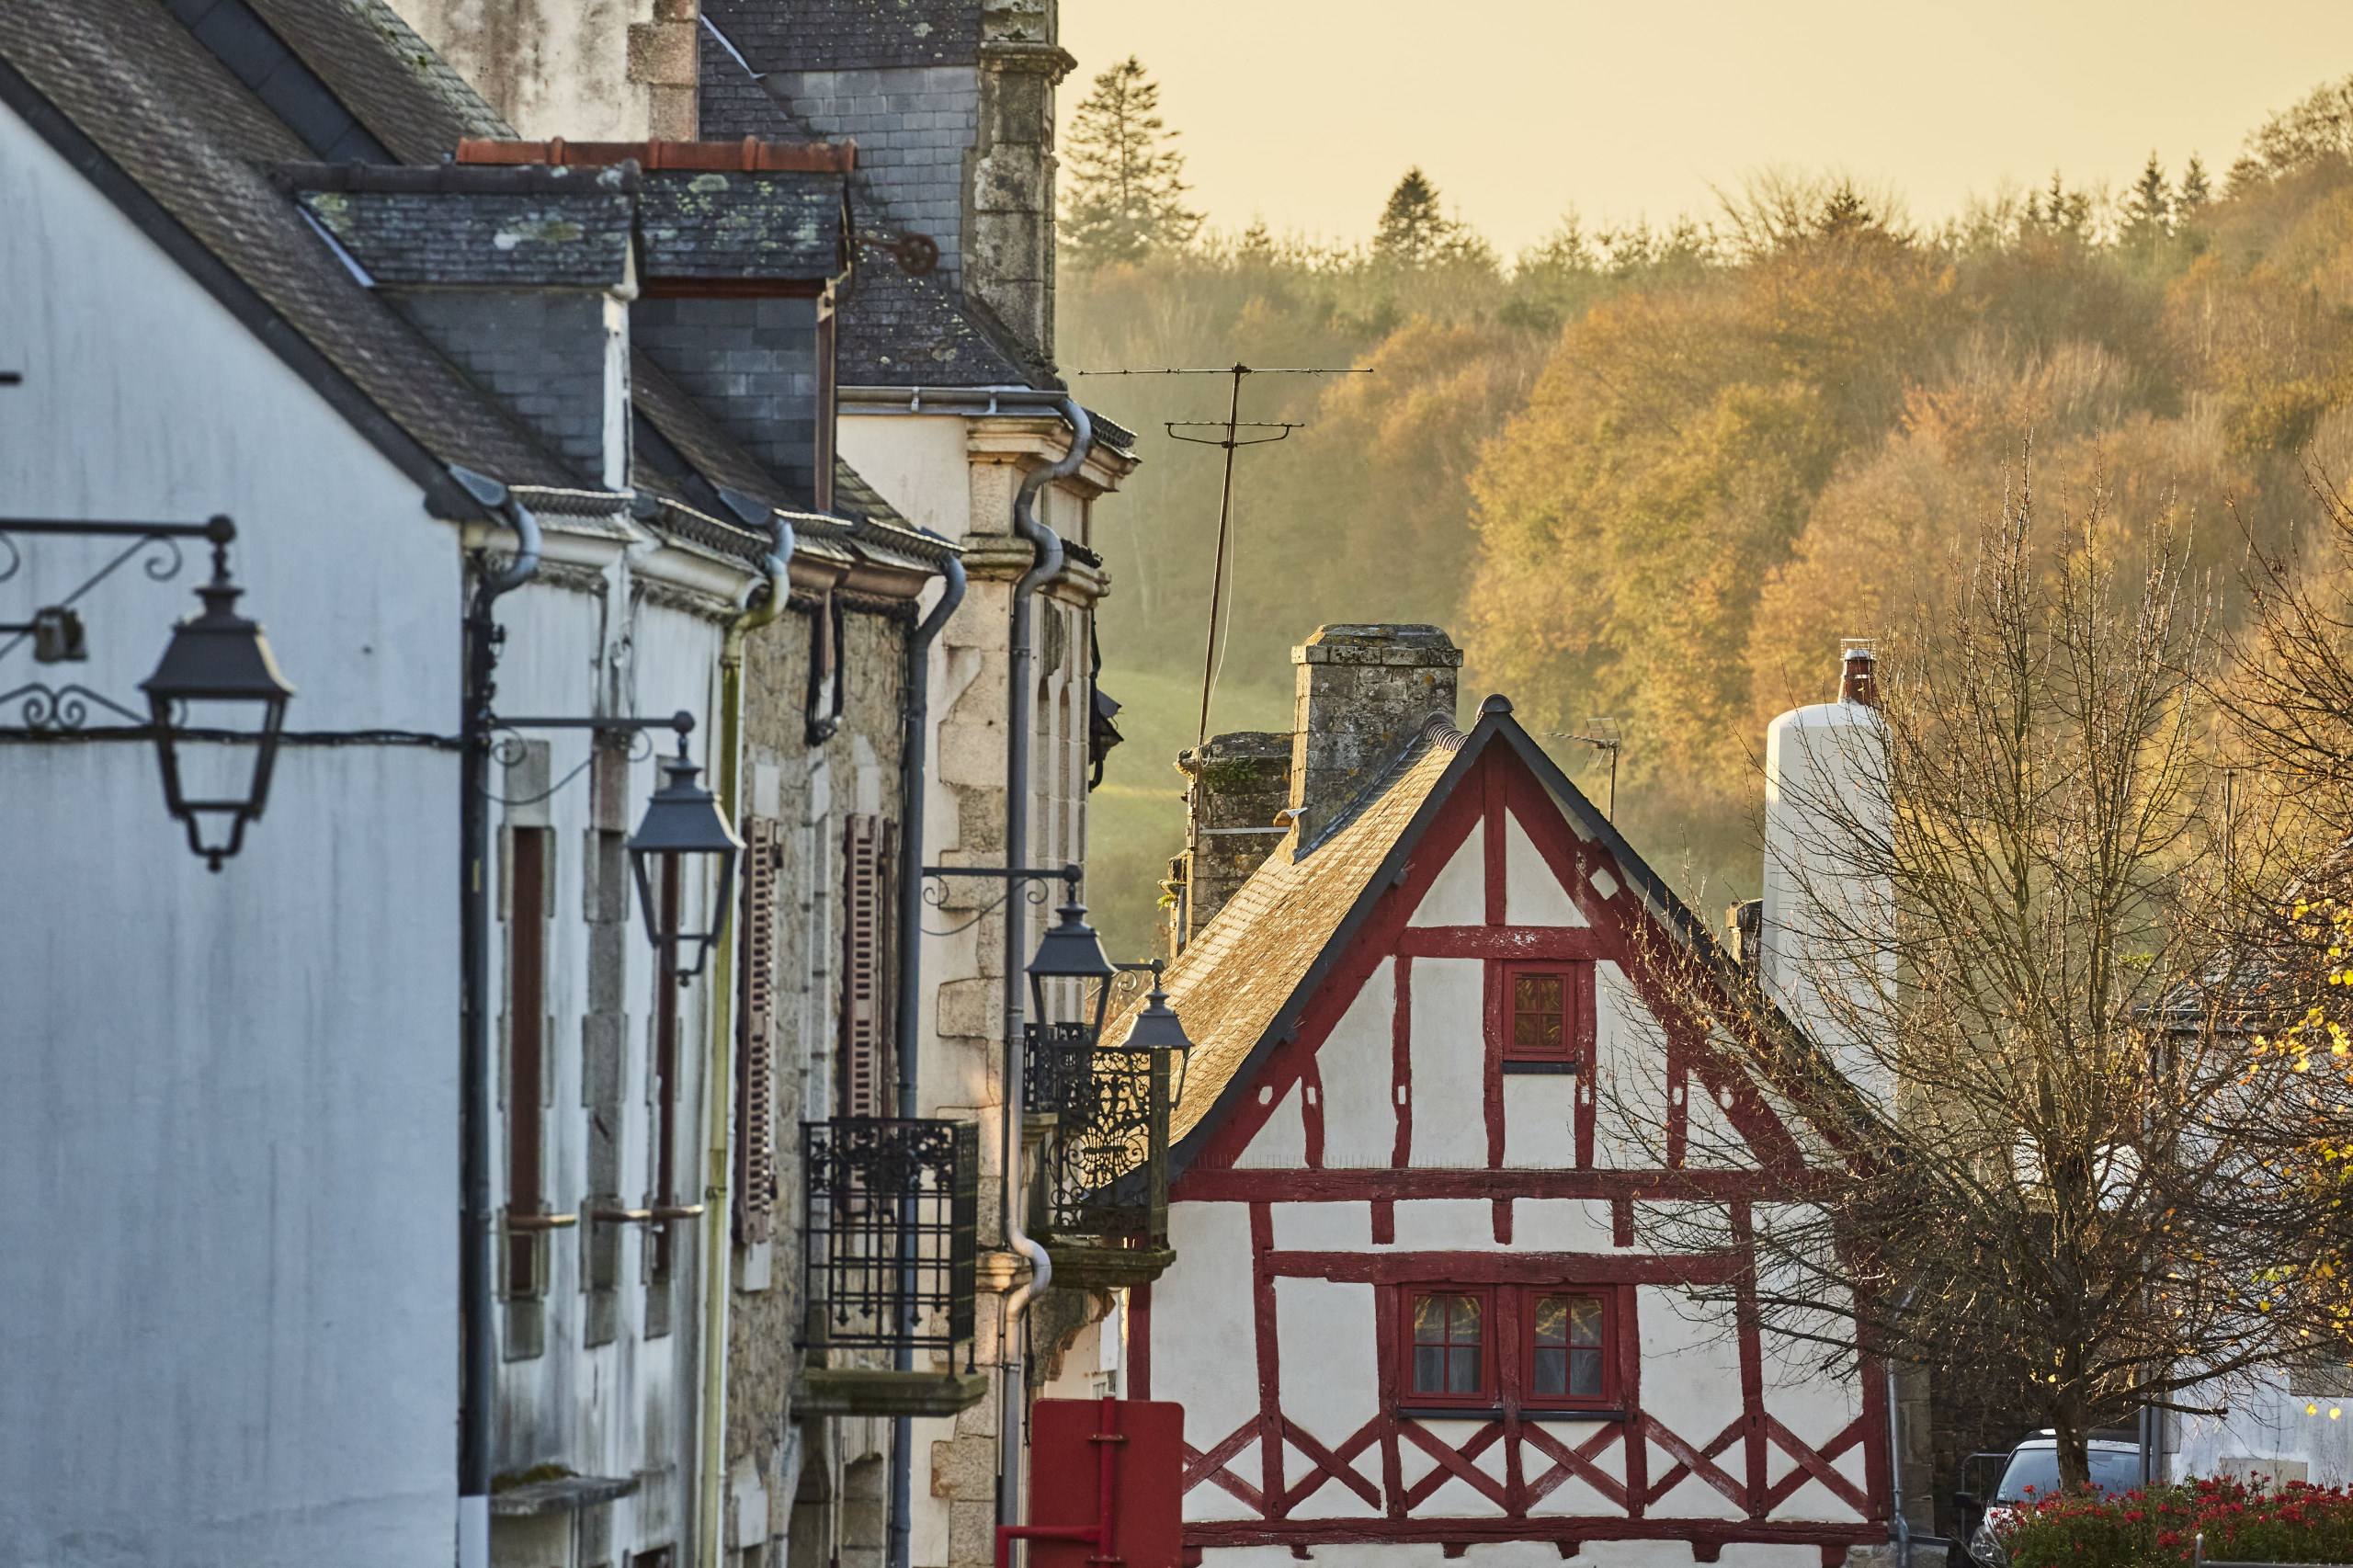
1363 691
1009 172
1237 786
603 73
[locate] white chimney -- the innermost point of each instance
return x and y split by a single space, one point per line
1828 959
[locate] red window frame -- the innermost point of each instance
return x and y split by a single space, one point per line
1509 1318
1532 1326
1490 1391
1574 1046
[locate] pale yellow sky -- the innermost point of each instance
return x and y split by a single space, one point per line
1306 111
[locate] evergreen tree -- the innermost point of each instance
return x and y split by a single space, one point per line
2148 209
1414 231
2196 192
1125 199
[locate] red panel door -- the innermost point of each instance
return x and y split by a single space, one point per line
1145 1442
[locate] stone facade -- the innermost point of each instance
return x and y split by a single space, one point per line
620 71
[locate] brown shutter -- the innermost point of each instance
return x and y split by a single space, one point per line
867 949
756 1042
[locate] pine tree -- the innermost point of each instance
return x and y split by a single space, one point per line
2148 209
1416 232
1125 199
2196 192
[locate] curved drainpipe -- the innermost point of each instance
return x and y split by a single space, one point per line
1019 717
477 1367
718 1216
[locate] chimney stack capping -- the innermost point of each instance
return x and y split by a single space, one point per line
1858 677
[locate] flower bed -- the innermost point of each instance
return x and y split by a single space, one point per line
2159 1528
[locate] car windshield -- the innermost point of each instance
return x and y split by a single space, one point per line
2113 1471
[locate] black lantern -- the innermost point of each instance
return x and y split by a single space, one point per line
219 703
1070 950
1157 1028
682 825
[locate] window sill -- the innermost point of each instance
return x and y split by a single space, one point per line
1553 1068
1437 1413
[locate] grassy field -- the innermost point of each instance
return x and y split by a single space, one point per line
1138 815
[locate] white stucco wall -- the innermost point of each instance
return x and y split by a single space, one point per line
230 1141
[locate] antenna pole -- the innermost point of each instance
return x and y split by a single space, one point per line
1217 568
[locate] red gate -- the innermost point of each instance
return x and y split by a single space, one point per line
1105 1479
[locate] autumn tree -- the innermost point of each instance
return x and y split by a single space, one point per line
2040 1158
1125 196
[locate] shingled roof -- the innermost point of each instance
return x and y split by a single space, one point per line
149 114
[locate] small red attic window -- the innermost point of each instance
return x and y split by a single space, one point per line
1547 1016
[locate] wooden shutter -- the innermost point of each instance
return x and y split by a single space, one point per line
756 1036
868 973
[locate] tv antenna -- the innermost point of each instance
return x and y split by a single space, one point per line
1233 425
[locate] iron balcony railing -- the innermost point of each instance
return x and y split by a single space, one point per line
1105 1162
893 1231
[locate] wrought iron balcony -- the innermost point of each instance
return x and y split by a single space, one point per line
893 1260
1102 1206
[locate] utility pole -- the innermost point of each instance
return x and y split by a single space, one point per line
1231 440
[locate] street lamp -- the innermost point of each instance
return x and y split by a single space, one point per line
217 692
1070 950
1157 1028
682 825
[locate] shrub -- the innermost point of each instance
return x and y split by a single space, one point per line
2159 1528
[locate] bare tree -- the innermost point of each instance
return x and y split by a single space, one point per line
2035 1153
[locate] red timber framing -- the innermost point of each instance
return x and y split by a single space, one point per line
1516 1458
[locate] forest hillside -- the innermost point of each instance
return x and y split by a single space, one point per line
1656 473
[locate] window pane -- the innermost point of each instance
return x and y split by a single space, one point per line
1429 1320
1584 1374
1463 1371
1551 1373
1585 1320
1527 1029
1553 1321
1429 1369
1540 993
1464 1328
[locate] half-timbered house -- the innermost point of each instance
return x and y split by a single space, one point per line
1412 1311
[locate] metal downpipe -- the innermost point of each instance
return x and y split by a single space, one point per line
916 708
1020 717
726 761
477 1361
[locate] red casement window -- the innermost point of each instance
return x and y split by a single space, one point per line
1569 1343
1547 1016
1477 1349
1448 1338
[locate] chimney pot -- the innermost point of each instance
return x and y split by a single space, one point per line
1858 677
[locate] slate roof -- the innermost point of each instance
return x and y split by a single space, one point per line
184 146
575 238
850 35
410 98
902 331
741 225
895 329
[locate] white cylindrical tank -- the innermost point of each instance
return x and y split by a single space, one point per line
1827 958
